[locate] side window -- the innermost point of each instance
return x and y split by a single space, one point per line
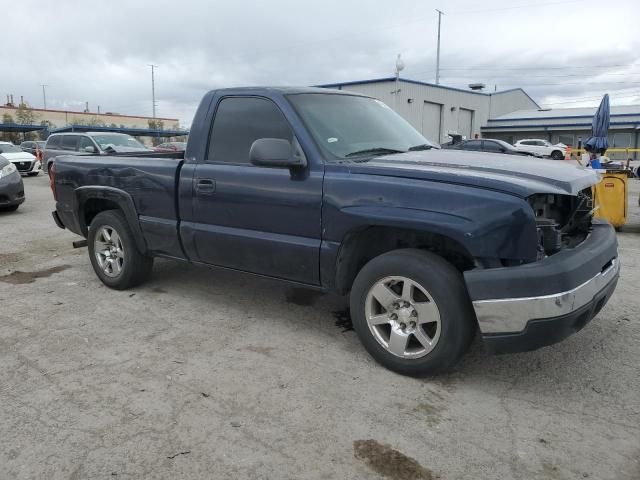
472 145
527 143
84 143
54 142
239 122
70 142
491 146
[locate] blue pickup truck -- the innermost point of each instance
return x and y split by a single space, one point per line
334 191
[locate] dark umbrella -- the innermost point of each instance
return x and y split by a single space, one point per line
598 141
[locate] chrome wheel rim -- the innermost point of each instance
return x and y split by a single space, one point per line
403 317
109 251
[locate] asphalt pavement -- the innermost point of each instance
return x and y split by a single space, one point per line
204 373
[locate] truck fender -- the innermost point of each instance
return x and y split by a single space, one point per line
113 196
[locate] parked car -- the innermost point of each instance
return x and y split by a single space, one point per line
334 191
26 163
33 146
542 148
171 147
490 145
90 143
11 186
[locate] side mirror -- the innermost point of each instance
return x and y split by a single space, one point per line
276 152
90 149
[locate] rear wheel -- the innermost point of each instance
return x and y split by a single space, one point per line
557 155
11 208
33 174
113 252
412 313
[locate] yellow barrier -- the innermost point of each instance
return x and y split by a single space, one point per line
609 150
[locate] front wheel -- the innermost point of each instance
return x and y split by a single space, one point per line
557 155
33 174
113 252
412 313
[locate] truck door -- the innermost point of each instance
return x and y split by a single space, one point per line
264 220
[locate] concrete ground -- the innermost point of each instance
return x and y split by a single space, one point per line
210 374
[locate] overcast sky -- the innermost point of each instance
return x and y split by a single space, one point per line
563 53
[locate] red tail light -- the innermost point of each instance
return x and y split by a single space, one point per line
52 180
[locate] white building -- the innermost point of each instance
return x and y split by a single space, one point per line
436 110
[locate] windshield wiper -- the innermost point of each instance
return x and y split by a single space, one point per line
424 146
374 151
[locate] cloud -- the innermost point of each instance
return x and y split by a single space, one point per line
100 51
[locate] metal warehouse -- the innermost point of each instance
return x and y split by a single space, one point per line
436 110
569 126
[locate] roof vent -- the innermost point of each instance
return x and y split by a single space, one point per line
476 87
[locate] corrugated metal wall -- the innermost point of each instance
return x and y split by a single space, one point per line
436 111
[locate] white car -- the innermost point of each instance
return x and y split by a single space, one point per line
26 163
542 148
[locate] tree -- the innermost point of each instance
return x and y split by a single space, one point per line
156 125
25 115
13 137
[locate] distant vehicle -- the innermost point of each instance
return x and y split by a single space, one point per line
90 143
540 147
11 186
33 146
490 145
171 147
335 191
25 163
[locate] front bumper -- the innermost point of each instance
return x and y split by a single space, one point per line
533 305
28 166
11 190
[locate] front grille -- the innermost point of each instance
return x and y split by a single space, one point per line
24 166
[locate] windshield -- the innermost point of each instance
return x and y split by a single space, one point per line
117 140
348 126
504 144
8 148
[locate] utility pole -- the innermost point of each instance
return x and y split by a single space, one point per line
44 96
440 13
153 88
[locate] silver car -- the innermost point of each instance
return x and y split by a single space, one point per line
89 143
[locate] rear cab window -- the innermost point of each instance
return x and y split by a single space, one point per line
70 142
53 141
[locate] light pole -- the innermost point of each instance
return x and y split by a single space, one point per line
44 96
153 88
440 13
399 68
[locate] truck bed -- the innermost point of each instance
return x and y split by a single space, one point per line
149 181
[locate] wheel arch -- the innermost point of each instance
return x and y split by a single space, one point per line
365 243
90 201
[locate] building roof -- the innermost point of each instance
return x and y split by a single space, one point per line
418 82
18 127
136 132
555 113
92 114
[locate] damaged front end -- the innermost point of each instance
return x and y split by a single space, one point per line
562 221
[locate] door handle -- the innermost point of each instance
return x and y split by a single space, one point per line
205 185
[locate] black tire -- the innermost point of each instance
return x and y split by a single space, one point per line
11 208
557 155
33 174
446 288
136 267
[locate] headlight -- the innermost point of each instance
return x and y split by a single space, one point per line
7 170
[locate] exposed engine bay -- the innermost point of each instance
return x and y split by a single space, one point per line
562 221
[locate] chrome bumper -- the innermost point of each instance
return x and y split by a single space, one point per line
511 315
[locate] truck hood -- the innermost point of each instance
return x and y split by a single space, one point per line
18 156
515 174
